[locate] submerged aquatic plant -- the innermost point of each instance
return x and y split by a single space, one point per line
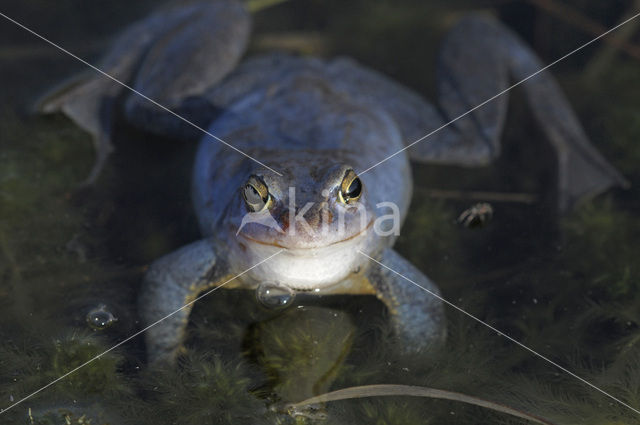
201 389
26 369
72 415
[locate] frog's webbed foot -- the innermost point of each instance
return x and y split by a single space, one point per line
417 316
88 102
170 283
171 57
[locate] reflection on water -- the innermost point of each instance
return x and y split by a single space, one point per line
71 260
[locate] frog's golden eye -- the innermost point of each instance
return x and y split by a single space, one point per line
350 188
256 194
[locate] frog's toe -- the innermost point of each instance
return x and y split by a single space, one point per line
104 148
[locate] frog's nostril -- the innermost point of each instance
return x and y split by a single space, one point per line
312 220
314 215
327 215
283 219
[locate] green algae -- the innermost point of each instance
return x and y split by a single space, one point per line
202 388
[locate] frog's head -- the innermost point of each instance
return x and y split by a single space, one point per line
317 212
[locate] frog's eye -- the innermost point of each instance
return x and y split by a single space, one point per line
350 188
256 194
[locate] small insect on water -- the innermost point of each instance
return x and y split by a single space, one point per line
476 216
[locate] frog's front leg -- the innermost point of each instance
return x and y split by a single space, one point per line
169 285
417 316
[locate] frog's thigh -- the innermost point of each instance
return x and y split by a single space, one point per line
417 315
171 282
183 64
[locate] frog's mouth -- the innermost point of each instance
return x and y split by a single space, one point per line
304 248
304 264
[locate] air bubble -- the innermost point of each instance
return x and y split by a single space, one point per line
100 318
274 296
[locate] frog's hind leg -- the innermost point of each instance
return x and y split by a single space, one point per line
170 284
478 59
88 98
183 64
416 315
165 57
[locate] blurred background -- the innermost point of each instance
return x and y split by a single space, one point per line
71 258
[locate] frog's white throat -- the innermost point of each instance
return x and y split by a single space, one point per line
304 269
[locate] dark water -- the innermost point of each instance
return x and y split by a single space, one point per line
567 287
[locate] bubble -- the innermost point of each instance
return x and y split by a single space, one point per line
100 318
274 296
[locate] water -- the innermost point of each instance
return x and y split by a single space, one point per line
565 287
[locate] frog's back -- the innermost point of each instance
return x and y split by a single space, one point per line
299 103
279 103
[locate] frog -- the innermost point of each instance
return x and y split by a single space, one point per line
312 150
